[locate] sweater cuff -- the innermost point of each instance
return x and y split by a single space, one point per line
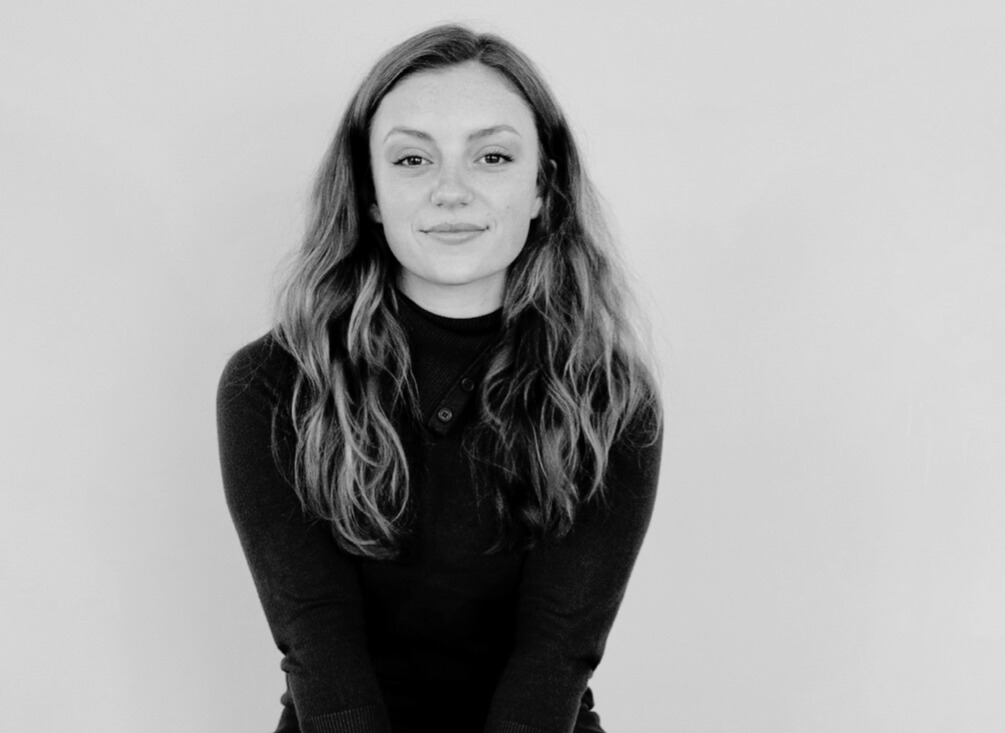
367 719
508 726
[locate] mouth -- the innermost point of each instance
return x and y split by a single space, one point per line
453 227
454 232
454 236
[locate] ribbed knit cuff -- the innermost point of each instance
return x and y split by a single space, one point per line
367 719
508 726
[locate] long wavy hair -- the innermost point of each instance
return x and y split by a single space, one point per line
564 382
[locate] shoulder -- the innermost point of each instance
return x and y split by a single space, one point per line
262 368
643 425
636 454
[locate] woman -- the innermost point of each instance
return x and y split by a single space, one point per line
443 459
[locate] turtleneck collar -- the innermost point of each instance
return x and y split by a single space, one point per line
443 349
473 326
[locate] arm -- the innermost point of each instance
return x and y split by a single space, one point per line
308 587
570 593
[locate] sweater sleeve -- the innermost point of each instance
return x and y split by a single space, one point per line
570 593
308 587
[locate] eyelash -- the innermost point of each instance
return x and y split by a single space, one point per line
401 161
504 156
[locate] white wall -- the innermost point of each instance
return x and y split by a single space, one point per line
813 197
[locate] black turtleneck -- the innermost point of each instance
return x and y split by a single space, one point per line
441 347
445 637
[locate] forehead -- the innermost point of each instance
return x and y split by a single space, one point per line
468 95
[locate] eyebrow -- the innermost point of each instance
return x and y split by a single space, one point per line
477 134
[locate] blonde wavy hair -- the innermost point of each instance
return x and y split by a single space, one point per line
564 382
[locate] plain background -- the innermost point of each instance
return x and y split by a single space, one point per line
812 197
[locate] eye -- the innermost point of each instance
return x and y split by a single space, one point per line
409 161
497 158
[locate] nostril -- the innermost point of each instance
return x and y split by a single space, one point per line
450 191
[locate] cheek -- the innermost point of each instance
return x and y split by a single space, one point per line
382 190
397 205
519 208
515 196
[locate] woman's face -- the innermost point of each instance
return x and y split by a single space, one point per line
454 158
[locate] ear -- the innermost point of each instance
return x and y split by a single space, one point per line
544 184
375 213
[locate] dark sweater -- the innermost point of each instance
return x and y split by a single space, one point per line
446 637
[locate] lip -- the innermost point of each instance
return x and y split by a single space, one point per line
455 236
450 227
454 232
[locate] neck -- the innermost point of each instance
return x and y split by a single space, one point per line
466 300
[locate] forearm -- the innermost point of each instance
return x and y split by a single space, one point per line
307 586
569 597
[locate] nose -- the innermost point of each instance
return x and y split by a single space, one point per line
451 188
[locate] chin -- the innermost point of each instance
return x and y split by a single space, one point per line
458 281
458 276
